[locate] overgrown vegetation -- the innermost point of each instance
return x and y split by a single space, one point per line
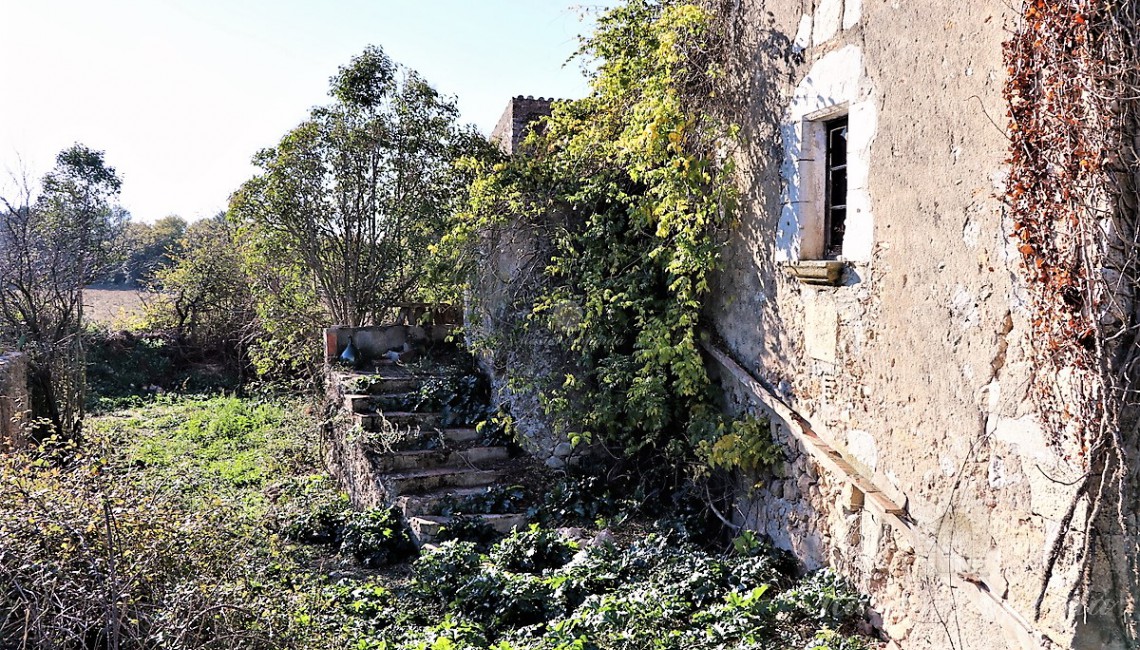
537 590
197 522
152 535
630 185
205 520
52 244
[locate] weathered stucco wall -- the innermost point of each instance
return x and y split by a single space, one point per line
915 368
13 399
524 362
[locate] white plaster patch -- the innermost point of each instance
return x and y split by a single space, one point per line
947 465
852 13
803 35
1025 434
893 479
871 534
828 18
862 446
964 308
989 397
999 477
821 327
835 85
970 233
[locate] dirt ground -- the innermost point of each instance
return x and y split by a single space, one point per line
112 306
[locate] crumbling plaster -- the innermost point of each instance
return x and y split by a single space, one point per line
916 368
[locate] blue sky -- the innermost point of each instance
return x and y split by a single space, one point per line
181 93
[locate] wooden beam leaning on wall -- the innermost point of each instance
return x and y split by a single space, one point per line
883 508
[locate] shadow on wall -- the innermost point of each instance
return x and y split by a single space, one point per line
761 60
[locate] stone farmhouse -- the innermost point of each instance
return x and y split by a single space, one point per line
872 305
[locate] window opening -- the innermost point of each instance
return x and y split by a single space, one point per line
835 204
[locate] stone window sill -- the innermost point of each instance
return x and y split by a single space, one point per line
828 273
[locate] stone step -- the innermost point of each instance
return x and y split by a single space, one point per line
430 503
369 404
426 480
425 459
388 381
417 439
425 528
398 419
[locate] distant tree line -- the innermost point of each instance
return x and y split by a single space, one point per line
142 249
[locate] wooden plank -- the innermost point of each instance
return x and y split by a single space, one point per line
824 454
879 501
874 500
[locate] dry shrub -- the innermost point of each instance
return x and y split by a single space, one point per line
90 560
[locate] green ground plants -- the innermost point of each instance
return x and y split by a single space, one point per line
196 522
175 526
536 590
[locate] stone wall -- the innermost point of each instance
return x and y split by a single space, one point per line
914 368
523 362
373 342
513 126
13 399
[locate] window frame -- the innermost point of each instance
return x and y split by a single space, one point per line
835 172
812 175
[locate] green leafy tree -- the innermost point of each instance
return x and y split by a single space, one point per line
204 294
51 246
358 192
283 338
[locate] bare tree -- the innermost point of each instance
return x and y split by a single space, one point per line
50 247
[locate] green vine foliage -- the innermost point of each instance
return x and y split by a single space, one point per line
633 182
746 444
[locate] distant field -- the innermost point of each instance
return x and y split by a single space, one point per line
111 305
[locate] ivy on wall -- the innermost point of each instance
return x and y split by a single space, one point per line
639 180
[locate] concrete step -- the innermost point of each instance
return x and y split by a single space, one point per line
426 528
430 458
426 480
430 503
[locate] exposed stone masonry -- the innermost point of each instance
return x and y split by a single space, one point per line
513 126
13 398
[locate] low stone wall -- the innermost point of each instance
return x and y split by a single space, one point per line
374 342
345 455
13 399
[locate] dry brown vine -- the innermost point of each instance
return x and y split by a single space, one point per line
1072 89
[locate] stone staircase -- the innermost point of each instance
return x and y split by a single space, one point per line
395 451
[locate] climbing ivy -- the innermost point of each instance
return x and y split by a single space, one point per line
746 444
631 184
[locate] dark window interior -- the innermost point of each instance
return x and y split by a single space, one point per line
835 205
